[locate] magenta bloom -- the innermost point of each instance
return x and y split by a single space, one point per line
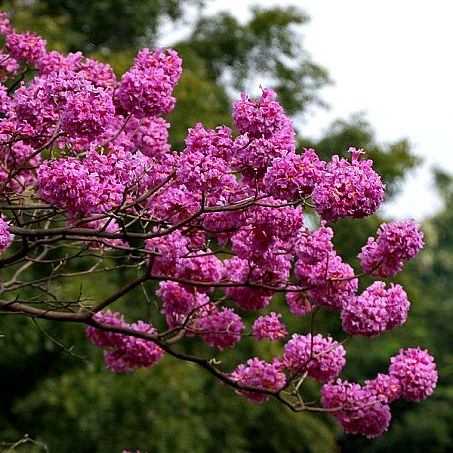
261 119
216 143
376 310
5 26
416 371
5 236
237 270
270 327
145 90
323 359
221 328
124 353
25 46
148 135
88 113
363 413
294 176
331 282
396 243
315 247
348 189
385 387
298 303
257 373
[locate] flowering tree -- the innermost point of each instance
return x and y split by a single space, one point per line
87 176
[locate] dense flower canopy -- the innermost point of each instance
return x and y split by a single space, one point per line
220 225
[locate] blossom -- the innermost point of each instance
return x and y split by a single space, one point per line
5 236
220 328
238 271
199 172
361 411
270 327
145 90
210 142
260 374
376 310
8 65
416 372
182 304
88 113
385 387
348 189
253 156
261 119
148 135
315 247
396 243
25 46
294 176
5 27
331 282
124 353
298 303
322 358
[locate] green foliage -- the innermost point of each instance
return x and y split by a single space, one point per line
112 25
269 44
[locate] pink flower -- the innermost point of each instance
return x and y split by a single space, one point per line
262 119
376 310
386 388
416 372
25 46
145 90
5 236
257 373
322 358
294 176
124 353
348 189
220 328
362 412
396 243
270 327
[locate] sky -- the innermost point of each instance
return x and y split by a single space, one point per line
391 59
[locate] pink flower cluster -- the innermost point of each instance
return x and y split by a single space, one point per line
348 189
220 224
270 327
365 410
376 310
145 90
259 374
396 243
95 184
124 353
261 119
385 387
266 133
294 176
27 46
330 282
220 328
359 411
320 357
5 236
416 372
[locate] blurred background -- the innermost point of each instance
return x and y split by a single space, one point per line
374 76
